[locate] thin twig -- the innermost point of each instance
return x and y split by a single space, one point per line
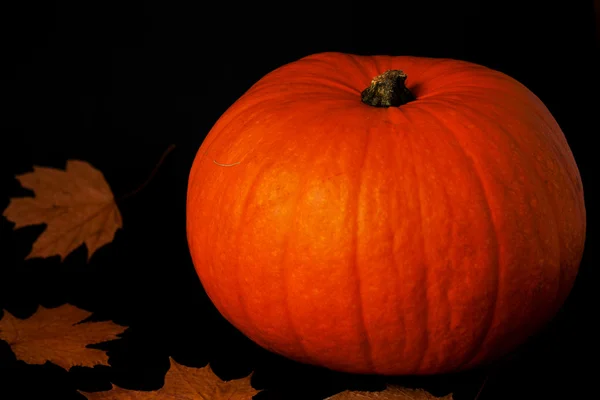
152 174
481 387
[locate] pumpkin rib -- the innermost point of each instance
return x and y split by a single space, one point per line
360 68
392 148
550 200
452 233
378 65
292 231
247 121
199 240
530 171
363 330
561 150
285 283
451 239
426 274
272 84
558 145
564 157
325 87
497 270
237 265
430 72
290 237
551 145
286 271
406 132
547 118
441 76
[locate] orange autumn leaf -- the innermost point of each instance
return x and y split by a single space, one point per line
185 383
55 335
77 205
390 393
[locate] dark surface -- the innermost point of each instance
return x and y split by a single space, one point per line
115 85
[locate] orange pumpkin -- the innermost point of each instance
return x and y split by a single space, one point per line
430 227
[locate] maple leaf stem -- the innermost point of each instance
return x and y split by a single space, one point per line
151 176
481 387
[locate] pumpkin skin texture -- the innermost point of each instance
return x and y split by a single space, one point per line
426 238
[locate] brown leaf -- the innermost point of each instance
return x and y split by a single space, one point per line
77 205
390 393
54 334
185 383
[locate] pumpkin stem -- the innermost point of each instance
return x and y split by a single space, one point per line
387 90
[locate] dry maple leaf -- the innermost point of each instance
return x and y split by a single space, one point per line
390 393
77 205
185 383
55 335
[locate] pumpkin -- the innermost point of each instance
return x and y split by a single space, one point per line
386 214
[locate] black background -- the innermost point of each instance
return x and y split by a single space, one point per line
115 84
